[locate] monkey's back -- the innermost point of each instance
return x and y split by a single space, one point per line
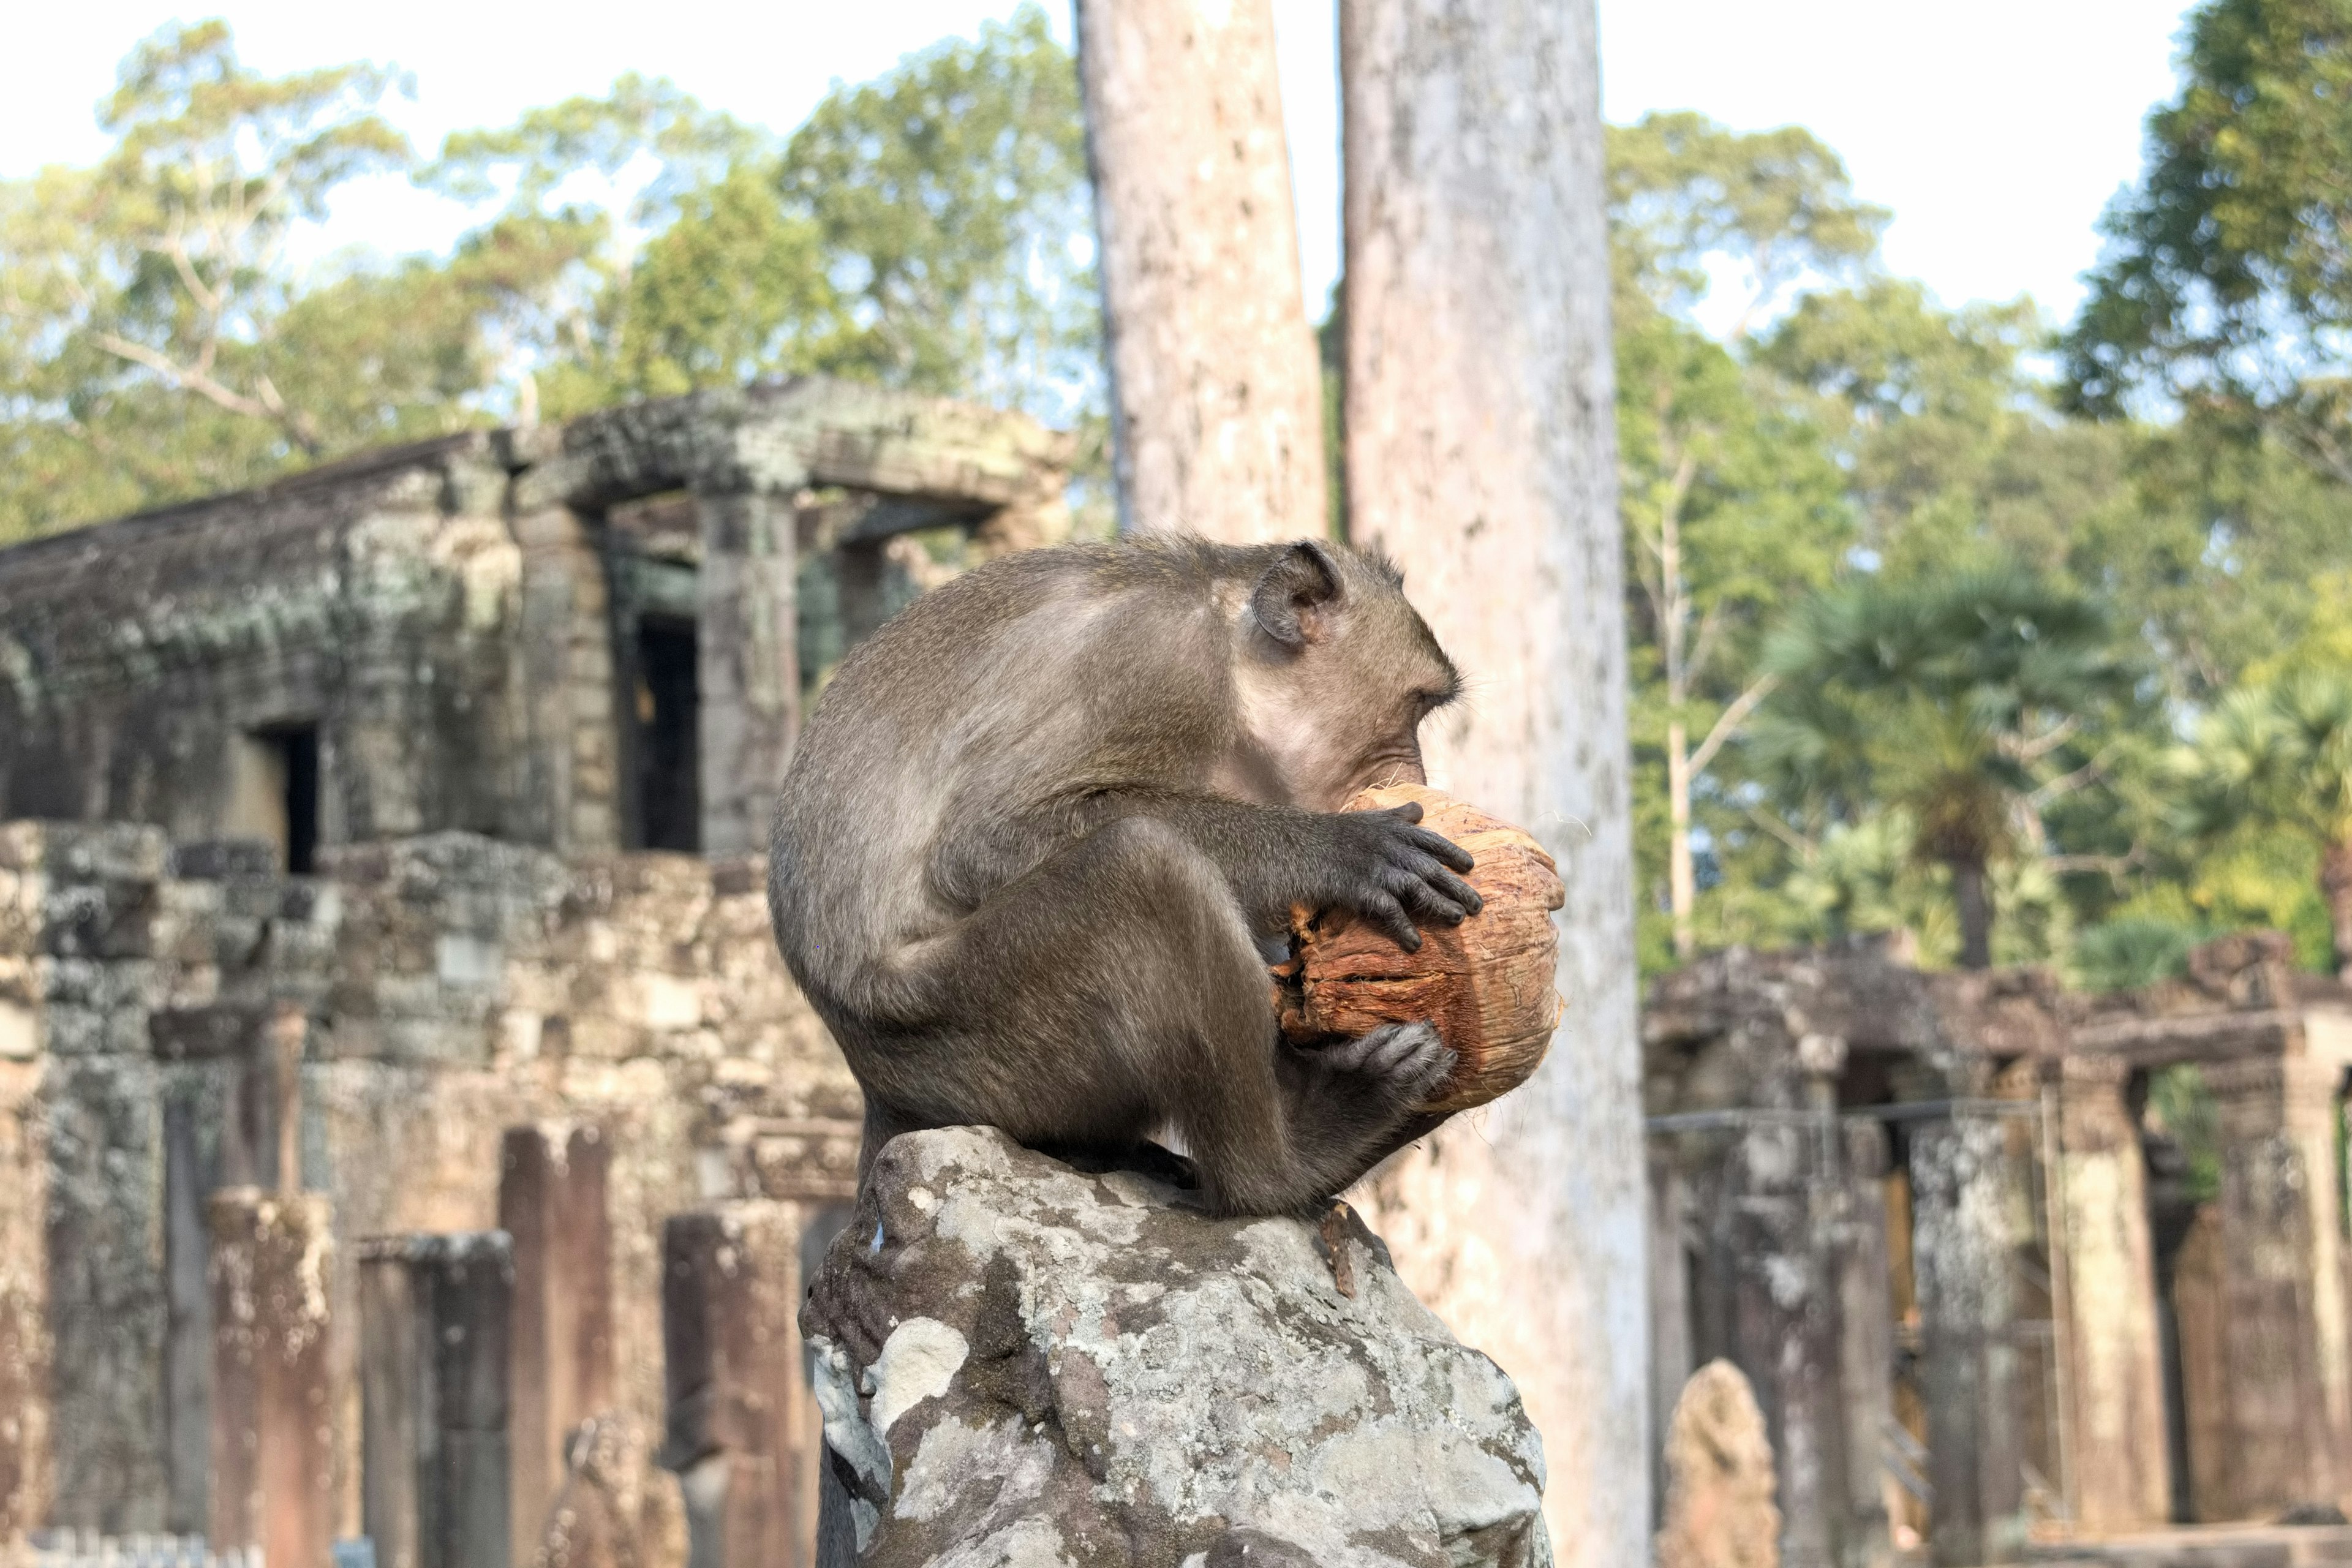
1028 680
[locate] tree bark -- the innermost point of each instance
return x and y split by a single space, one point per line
1216 392
1480 435
2335 888
1975 898
1682 875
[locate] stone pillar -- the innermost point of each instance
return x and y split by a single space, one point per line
741 1426
272 1416
2103 1264
1670 1304
551 1201
433 1318
1963 1255
24 1292
2281 1290
1866 1310
571 765
747 663
1787 1322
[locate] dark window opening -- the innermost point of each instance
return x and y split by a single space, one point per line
276 794
299 746
669 794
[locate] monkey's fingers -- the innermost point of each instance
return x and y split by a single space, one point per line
1387 916
1440 848
1434 893
1409 812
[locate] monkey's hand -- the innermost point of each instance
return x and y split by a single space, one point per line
1408 1062
1381 867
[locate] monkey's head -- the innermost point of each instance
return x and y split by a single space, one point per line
1336 673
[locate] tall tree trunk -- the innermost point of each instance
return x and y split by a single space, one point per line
1480 456
1974 895
1217 391
2336 887
1682 875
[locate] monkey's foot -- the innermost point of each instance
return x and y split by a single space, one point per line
1408 1060
1145 1159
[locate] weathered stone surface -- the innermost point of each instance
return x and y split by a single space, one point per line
594 1521
1020 1364
1719 1477
273 1444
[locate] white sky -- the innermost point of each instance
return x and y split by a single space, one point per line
1995 130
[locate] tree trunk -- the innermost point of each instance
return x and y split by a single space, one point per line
2336 887
1478 403
1682 876
1217 391
1974 896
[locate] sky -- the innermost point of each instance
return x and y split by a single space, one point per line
1996 131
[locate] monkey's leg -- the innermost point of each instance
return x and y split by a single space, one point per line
1117 985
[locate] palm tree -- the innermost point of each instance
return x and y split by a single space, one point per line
2278 754
1966 686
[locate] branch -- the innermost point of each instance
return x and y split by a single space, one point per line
1805 847
2067 784
1728 723
268 407
1703 646
2041 745
2113 866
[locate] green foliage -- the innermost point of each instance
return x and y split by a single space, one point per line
955 217
930 230
142 302
2277 757
2133 951
1968 700
2229 281
1688 196
2180 1107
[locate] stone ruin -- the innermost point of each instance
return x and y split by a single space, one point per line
1937 1222
407 1130
397 1071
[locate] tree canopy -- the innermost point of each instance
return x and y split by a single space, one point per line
2026 640
160 337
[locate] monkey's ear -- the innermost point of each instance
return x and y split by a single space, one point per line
1292 596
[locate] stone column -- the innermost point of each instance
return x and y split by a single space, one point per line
747 662
433 1318
2104 1263
742 1430
1670 1304
571 763
1866 1310
2282 1287
1963 1255
272 1415
24 1292
551 1201
1787 1323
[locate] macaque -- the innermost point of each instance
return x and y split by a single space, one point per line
1045 828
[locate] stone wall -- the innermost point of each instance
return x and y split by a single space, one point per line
454 987
451 628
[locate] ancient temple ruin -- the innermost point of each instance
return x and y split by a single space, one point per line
1982 1296
395 1067
407 1130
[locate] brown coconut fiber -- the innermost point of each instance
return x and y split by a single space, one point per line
1486 984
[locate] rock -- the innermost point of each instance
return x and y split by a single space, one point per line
593 1520
1487 984
1022 1364
1719 1477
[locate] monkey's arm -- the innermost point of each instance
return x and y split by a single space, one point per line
1376 864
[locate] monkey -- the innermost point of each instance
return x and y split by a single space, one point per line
1044 829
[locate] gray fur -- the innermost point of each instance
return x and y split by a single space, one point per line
1041 823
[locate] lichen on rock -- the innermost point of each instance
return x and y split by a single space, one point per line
1018 1362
